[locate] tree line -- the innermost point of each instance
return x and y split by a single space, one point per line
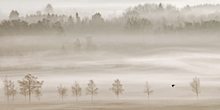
30 85
141 18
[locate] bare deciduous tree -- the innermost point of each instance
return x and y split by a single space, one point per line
195 85
148 90
9 89
91 89
62 91
29 84
117 88
76 90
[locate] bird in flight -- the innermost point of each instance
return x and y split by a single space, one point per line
173 85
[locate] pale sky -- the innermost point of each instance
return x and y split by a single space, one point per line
109 7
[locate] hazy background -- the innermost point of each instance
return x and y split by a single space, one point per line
109 8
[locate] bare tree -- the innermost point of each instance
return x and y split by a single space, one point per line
91 89
148 90
76 90
195 85
62 91
29 84
9 89
117 88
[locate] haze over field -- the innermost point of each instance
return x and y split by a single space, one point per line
139 54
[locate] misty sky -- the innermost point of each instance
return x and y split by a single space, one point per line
108 7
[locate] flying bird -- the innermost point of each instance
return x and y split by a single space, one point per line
173 85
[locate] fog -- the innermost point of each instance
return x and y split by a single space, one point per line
88 7
171 46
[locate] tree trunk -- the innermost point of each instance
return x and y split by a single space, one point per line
7 99
92 98
62 98
29 98
13 98
29 91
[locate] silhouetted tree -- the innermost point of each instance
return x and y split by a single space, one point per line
76 90
91 89
49 9
62 91
97 19
160 6
148 90
70 21
29 84
117 88
14 15
78 19
195 85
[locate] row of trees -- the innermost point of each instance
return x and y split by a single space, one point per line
30 85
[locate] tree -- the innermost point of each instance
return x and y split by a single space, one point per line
13 91
78 19
76 90
14 15
70 21
97 19
49 9
91 89
148 90
24 92
38 93
117 88
62 91
195 85
9 89
29 84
